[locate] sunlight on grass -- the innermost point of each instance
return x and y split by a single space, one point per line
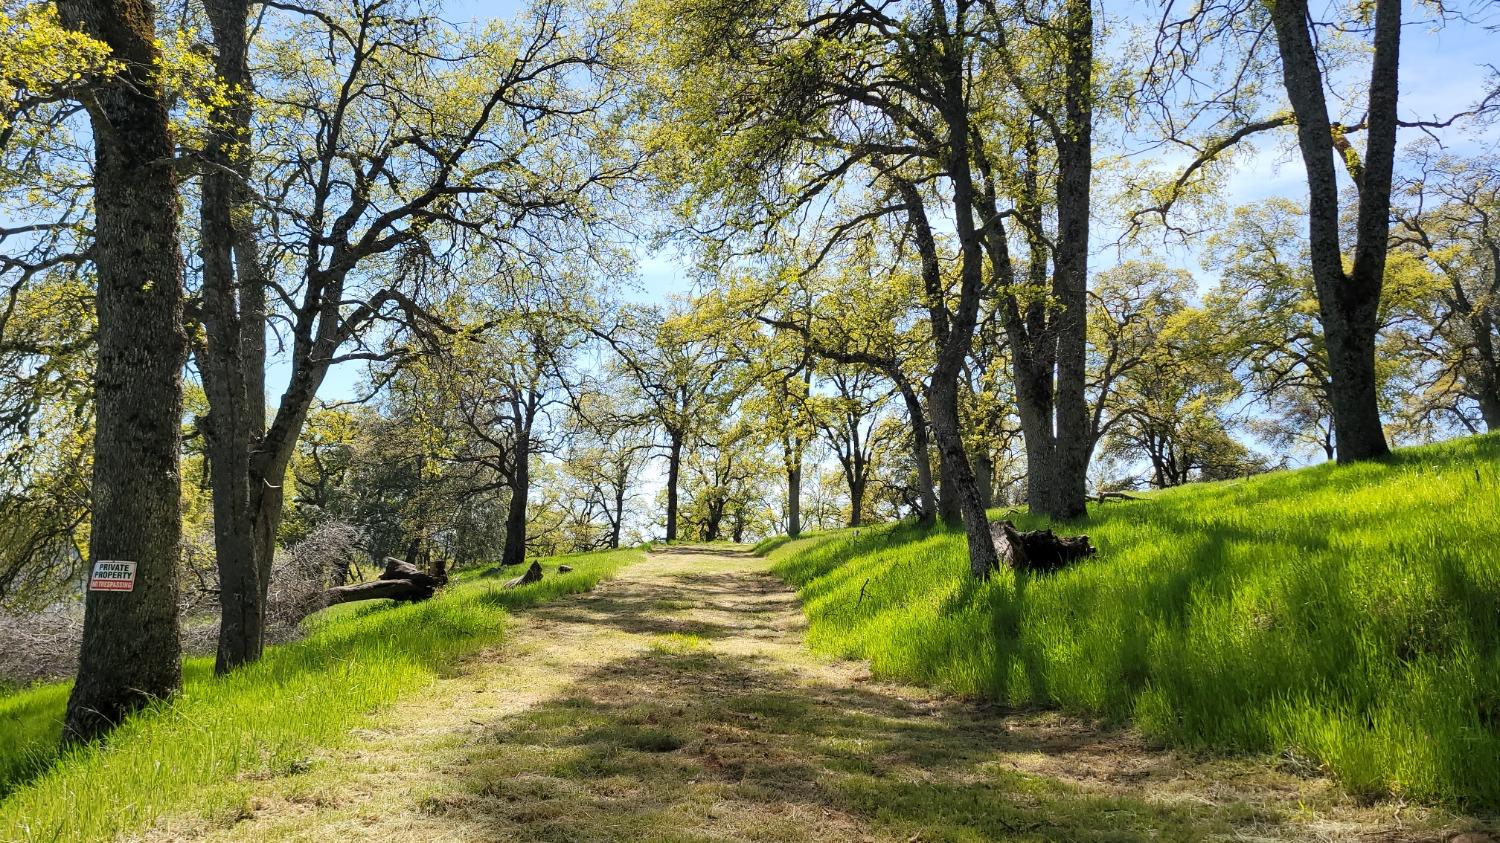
1348 614
205 749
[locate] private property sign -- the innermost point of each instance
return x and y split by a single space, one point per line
112 575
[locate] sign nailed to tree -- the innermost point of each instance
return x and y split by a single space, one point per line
112 575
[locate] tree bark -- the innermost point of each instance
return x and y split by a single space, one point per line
401 580
618 523
232 355
514 552
944 402
921 448
1037 551
131 651
1348 302
794 500
948 508
674 468
533 574
857 501
984 474
1075 165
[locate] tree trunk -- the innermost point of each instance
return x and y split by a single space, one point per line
921 450
948 506
1075 151
711 525
131 651
943 400
794 500
514 552
1486 378
1349 338
674 468
1037 551
984 474
401 580
1348 302
857 500
232 357
1489 409
619 520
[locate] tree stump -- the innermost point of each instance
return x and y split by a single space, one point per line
1037 551
533 574
399 581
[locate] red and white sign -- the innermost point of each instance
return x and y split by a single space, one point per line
112 575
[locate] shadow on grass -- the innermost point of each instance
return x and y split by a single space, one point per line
688 745
729 605
351 661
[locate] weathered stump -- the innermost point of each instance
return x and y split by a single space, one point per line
533 574
1038 551
399 581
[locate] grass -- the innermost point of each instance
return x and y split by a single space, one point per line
1346 616
204 750
737 732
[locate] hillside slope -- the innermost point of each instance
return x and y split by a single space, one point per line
1346 618
206 750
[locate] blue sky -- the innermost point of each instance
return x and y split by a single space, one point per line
1442 73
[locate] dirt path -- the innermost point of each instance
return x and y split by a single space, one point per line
676 702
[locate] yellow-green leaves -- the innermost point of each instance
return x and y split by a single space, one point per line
41 60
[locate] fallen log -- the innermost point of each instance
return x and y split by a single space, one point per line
399 581
533 574
1038 551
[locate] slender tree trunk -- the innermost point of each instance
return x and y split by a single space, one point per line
953 330
674 468
943 399
131 650
921 450
794 500
514 552
1034 407
857 501
619 520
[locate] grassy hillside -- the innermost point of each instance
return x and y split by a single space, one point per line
205 749
1344 617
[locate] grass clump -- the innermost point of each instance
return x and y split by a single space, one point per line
203 751
1349 614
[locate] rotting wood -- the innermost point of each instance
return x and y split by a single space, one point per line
533 574
399 581
1039 551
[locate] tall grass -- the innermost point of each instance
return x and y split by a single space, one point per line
204 749
1344 615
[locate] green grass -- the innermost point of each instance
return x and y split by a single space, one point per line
1349 615
203 751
